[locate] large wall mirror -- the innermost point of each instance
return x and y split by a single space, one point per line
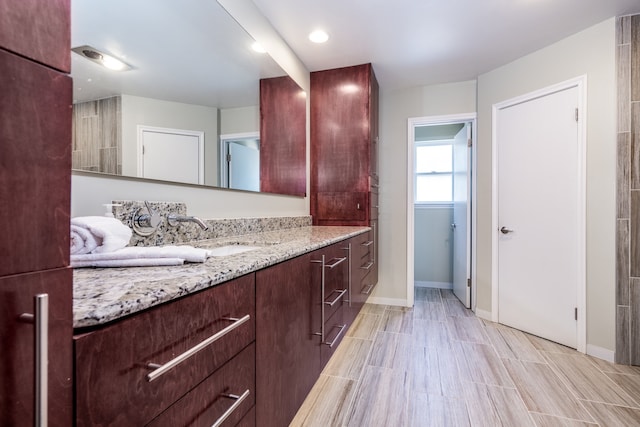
187 108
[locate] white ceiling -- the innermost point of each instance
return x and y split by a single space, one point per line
422 42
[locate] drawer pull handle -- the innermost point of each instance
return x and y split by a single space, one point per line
342 328
369 243
341 292
238 402
367 289
162 369
368 266
334 262
41 356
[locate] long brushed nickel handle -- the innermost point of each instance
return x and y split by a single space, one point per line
368 289
334 262
368 266
238 402
160 370
342 328
41 357
367 243
341 292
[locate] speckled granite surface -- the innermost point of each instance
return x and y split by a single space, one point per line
101 295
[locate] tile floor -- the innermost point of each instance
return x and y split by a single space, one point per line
439 365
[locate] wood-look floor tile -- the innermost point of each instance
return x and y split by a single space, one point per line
511 343
434 371
382 401
327 404
364 326
400 308
427 294
612 415
491 406
466 329
480 363
543 391
429 310
373 308
349 359
614 368
430 333
629 383
586 381
448 294
397 321
392 351
543 420
453 307
428 410
549 346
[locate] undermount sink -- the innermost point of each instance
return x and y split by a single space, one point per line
231 250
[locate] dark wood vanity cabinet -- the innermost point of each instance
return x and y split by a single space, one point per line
283 137
344 135
115 365
294 337
35 189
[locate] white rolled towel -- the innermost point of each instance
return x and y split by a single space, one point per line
98 234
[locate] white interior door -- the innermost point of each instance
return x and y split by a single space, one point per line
171 155
462 215
538 179
244 167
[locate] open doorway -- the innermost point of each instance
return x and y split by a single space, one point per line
440 211
240 161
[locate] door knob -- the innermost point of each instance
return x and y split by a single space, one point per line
505 230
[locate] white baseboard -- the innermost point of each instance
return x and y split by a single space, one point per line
439 285
601 353
398 302
483 314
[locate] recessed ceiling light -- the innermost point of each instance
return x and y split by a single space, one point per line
318 36
101 58
258 48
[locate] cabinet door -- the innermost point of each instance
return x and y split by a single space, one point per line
287 347
283 137
112 364
39 30
17 375
35 163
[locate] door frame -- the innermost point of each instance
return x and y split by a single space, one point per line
223 167
412 122
580 83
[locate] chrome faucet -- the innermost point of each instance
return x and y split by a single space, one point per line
175 220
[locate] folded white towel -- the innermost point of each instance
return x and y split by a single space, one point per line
139 262
98 234
183 253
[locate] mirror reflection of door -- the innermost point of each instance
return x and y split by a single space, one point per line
240 168
171 154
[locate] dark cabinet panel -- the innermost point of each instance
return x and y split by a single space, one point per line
112 386
35 164
17 377
39 30
287 347
232 386
283 137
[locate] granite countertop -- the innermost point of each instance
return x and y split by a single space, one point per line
101 295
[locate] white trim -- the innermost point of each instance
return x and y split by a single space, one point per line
581 83
139 146
222 158
435 120
396 302
437 285
601 353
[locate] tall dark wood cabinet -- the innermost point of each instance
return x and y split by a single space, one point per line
283 137
35 190
344 151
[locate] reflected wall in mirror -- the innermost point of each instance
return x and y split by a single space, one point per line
192 71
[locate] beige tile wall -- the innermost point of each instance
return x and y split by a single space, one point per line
628 191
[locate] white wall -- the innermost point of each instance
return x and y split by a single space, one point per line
239 120
433 244
174 115
395 109
590 52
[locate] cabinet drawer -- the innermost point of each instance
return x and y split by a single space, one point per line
335 328
226 396
112 364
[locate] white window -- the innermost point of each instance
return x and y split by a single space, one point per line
433 180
